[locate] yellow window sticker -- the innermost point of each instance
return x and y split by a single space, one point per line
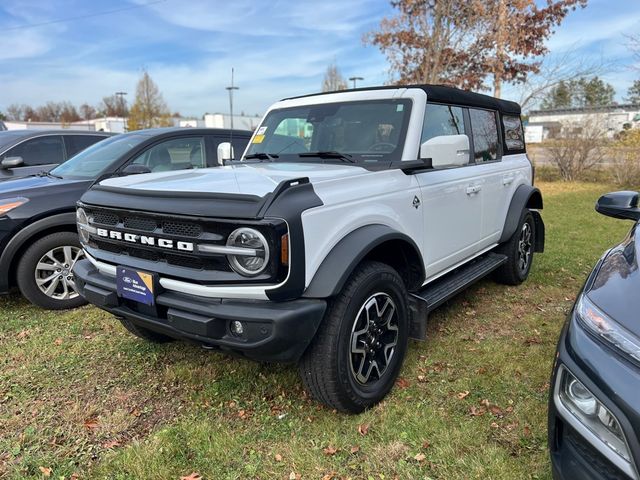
258 139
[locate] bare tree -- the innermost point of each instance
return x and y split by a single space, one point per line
87 112
333 80
114 106
579 147
557 70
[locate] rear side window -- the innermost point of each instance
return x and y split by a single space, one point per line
39 151
441 120
77 143
485 135
175 154
513 134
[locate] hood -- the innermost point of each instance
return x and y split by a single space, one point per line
256 179
38 186
617 283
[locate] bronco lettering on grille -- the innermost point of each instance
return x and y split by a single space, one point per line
146 240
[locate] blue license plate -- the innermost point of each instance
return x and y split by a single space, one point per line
135 285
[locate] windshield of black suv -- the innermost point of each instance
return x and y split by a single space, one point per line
92 161
350 132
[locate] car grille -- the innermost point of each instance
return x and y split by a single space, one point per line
211 232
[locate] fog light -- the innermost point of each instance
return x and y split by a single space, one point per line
236 328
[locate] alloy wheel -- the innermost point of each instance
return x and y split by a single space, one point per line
374 337
524 247
54 272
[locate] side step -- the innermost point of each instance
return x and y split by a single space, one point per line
448 286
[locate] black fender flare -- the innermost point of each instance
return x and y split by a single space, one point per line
525 197
18 241
338 265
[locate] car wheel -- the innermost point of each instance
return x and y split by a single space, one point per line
45 271
357 353
519 252
144 333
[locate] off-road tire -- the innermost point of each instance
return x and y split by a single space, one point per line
510 272
145 333
326 367
26 271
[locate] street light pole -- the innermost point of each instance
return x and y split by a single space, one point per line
231 89
120 97
355 79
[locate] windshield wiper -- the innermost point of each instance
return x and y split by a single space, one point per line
261 156
44 173
345 157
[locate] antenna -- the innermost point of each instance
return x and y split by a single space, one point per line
231 88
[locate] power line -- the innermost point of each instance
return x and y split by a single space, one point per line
80 17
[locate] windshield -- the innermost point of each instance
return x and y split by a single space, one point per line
361 131
92 161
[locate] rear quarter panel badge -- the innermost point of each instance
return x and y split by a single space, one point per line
416 202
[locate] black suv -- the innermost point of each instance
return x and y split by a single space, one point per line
25 152
38 237
594 413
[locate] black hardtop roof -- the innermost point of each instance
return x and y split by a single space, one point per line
151 132
444 94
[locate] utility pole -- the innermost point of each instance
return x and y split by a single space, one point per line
120 97
231 89
355 79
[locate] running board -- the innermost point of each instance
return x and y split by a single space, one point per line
451 284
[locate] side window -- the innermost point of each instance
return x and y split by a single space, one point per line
485 135
39 151
175 154
77 143
441 120
513 134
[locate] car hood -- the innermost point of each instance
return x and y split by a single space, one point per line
256 179
616 284
38 186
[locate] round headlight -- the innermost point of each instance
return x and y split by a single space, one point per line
256 258
83 223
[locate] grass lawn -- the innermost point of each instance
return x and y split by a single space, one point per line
81 398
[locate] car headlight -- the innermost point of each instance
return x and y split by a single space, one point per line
84 227
252 256
9 204
591 413
603 326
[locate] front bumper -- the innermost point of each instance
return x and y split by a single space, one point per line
273 331
616 383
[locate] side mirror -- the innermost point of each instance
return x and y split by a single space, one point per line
225 152
622 205
135 169
11 162
446 150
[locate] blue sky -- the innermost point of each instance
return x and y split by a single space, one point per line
278 48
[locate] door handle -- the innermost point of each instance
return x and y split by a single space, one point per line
471 189
508 179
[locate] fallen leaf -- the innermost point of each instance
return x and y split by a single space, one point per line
420 457
58 341
294 476
192 476
426 444
277 457
45 471
111 444
476 412
23 334
135 412
91 423
355 449
330 450
463 395
363 429
402 383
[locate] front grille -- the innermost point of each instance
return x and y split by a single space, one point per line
105 218
140 223
182 229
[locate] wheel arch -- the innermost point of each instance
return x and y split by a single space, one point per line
62 222
525 197
371 242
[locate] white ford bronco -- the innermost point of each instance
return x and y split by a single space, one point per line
349 217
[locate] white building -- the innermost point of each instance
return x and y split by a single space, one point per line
220 120
545 124
11 125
